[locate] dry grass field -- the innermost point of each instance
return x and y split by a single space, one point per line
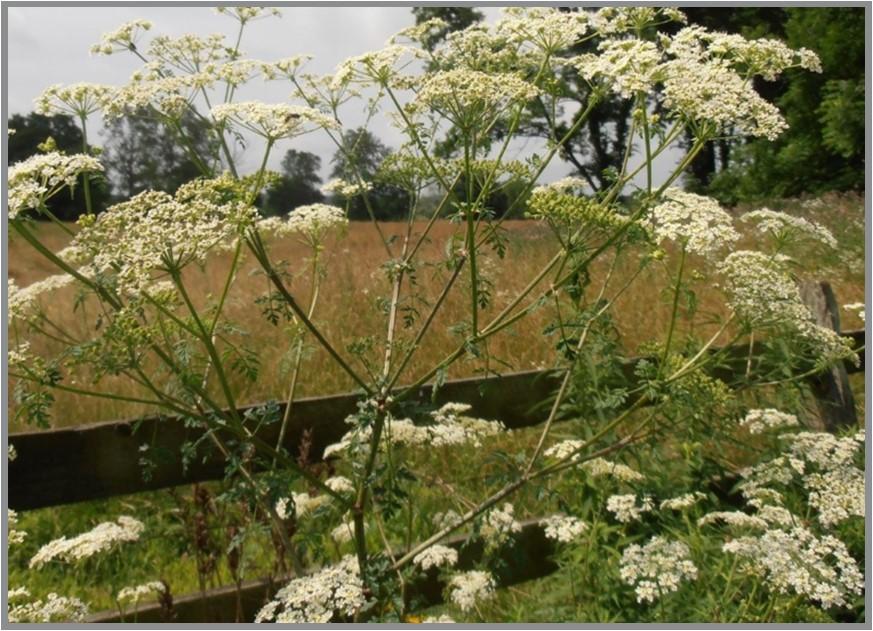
355 288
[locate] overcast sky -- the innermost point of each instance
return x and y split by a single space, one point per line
48 45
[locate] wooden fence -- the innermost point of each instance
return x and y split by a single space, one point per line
102 460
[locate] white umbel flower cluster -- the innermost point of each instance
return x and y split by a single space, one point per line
762 291
53 609
346 189
315 221
625 507
23 301
121 39
303 504
600 467
735 519
34 180
656 568
272 121
760 421
467 97
542 28
335 591
564 528
135 239
820 569
564 449
103 537
788 227
499 524
626 66
682 502
436 556
697 222
469 588
78 99
13 536
451 427
134 594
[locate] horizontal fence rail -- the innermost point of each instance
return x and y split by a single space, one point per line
101 460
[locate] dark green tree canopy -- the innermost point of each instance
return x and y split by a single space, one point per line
363 156
297 185
142 153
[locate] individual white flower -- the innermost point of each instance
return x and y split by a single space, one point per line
564 528
759 421
500 523
272 121
469 588
657 568
122 38
101 538
331 592
820 569
436 556
681 502
34 180
625 507
697 222
785 226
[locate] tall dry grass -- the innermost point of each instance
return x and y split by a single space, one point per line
355 288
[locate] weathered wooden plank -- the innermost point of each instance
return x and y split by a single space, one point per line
833 395
529 557
102 460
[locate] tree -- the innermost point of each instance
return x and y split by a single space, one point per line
142 153
31 131
363 156
297 184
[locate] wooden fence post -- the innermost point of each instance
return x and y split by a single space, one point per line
833 395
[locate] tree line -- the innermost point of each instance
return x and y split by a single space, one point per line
822 150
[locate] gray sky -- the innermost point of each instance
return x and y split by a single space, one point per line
48 45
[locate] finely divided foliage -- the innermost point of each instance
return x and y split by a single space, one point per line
632 518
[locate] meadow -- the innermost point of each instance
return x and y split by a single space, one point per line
352 297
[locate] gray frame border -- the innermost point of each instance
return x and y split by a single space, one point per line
867 5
